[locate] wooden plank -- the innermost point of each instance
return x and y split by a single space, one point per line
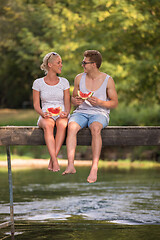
111 136
124 136
21 135
132 136
5 224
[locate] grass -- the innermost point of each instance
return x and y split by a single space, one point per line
3 157
29 152
18 117
121 116
127 164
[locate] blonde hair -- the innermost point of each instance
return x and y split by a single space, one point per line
48 58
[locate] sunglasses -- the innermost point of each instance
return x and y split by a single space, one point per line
84 63
53 53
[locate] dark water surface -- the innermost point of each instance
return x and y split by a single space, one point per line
122 204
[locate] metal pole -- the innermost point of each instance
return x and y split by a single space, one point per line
10 191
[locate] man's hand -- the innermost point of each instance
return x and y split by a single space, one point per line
94 101
77 101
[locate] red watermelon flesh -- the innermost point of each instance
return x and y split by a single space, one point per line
54 111
84 95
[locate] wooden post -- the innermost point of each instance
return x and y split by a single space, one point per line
10 191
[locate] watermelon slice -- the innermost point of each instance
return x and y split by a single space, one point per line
84 95
54 111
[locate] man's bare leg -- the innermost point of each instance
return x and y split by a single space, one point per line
95 128
71 143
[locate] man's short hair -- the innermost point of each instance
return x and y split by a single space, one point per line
94 56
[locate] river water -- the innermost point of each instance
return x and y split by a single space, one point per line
122 204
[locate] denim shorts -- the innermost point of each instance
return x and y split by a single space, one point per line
85 120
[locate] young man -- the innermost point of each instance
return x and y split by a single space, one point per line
93 112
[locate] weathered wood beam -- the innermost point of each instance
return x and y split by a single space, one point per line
111 136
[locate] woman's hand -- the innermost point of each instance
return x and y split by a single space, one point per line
46 115
49 115
63 115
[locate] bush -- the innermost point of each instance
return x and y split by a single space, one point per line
135 116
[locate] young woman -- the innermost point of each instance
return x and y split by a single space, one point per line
52 91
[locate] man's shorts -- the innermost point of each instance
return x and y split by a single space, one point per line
85 120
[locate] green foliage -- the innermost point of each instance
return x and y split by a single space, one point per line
126 32
135 116
124 115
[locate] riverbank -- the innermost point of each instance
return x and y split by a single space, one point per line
43 163
40 163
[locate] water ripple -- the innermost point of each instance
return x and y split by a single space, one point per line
123 204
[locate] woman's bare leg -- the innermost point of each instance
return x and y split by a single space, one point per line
61 125
48 127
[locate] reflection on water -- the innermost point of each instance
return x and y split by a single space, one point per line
119 197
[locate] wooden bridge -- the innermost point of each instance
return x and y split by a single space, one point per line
111 136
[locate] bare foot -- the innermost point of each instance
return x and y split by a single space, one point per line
92 176
56 167
69 170
53 166
50 165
